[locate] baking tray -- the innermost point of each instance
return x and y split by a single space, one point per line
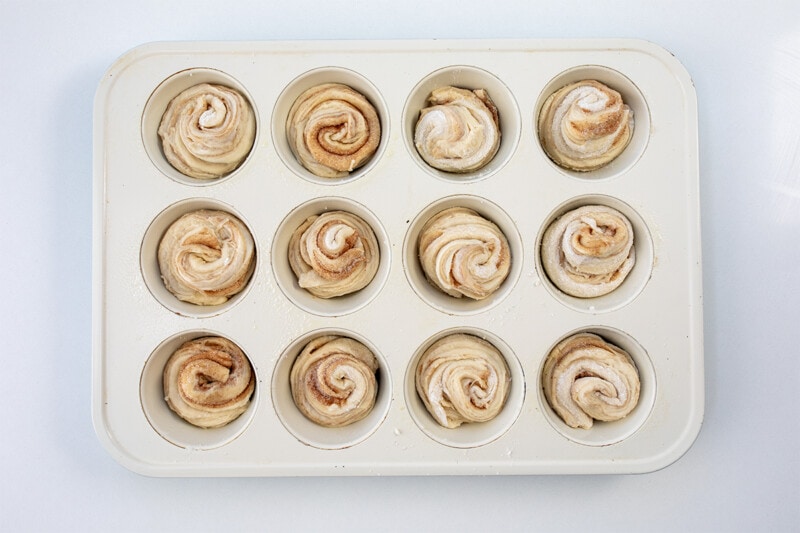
656 314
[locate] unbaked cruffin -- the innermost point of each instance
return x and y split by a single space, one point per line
588 252
207 131
333 381
208 382
206 256
461 379
332 130
334 254
586 378
585 125
459 131
464 254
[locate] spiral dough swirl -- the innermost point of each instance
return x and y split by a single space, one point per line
463 254
462 378
208 382
333 381
206 256
207 131
587 379
332 130
585 125
460 131
589 251
334 254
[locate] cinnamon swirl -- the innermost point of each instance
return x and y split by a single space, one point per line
208 382
586 379
333 381
206 256
459 131
332 130
585 125
462 378
463 254
207 131
334 254
589 251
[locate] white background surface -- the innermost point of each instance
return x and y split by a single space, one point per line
743 472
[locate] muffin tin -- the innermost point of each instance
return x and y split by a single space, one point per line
656 315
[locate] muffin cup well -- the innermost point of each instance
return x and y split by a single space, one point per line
607 433
310 433
311 79
467 435
157 104
148 258
287 281
472 78
167 423
636 279
631 95
434 296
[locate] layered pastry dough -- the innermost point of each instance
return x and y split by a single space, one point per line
586 379
206 256
463 254
333 381
585 125
462 378
332 130
208 382
459 131
334 254
207 131
589 251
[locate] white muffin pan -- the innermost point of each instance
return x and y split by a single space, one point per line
656 315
